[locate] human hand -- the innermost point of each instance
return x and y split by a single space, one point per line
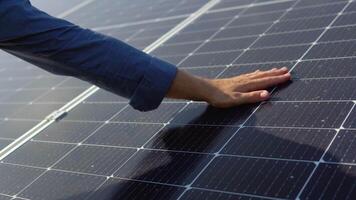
228 92
246 88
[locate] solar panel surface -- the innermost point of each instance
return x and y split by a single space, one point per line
298 145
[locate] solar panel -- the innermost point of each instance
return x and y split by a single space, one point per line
298 145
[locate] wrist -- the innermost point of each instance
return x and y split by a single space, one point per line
190 87
206 90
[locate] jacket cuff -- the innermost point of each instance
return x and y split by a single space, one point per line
154 85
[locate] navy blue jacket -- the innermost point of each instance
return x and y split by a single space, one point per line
63 48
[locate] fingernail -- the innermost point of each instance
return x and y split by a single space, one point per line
288 75
264 94
284 68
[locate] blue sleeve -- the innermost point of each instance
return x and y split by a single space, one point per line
63 48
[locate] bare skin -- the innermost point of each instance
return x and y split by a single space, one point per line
228 92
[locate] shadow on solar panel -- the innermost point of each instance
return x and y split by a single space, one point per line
256 162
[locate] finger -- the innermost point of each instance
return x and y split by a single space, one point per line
260 74
247 75
252 97
263 83
272 72
250 74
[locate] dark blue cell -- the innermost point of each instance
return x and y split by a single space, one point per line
15 178
343 148
264 177
331 181
301 114
62 185
284 143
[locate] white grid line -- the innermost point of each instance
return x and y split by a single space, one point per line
247 5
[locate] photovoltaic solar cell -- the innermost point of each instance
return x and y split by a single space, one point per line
331 181
283 143
280 179
351 121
